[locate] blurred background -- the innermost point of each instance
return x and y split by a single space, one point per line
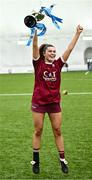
16 57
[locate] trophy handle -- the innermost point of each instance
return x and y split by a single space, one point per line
38 16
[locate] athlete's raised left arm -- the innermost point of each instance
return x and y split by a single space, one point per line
70 47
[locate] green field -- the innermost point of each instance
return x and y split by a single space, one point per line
16 129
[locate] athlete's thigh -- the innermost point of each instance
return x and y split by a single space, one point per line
38 119
56 119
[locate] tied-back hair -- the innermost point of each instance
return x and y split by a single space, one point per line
43 48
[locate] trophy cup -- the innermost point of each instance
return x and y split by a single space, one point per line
31 20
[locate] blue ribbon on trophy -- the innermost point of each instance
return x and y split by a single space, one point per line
32 22
47 11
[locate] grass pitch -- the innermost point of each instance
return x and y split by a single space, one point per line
16 129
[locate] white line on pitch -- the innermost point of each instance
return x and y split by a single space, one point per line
80 93
30 94
15 94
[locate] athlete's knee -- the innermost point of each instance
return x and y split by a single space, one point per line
38 132
57 132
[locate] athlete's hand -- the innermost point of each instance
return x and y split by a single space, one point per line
79 29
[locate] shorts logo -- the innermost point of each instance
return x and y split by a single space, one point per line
34 107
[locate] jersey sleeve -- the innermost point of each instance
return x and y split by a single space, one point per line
60 62
36 62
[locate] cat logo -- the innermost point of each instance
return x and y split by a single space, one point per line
49 76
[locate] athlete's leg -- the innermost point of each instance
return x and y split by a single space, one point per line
56 121
38 119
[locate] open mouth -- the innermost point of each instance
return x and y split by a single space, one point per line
52 56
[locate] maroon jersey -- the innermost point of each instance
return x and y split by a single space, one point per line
47 81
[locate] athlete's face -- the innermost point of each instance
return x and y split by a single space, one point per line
50 54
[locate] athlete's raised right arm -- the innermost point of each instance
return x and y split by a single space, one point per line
73 42
35 47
